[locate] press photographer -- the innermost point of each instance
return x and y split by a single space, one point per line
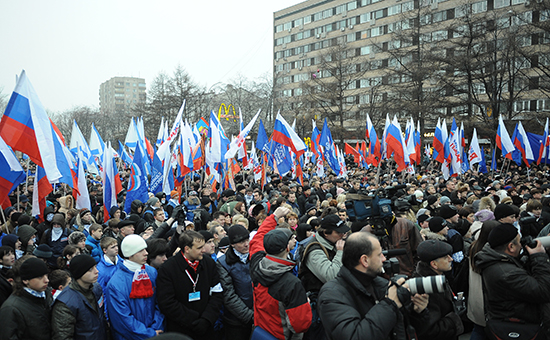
444 321
359 304
514 295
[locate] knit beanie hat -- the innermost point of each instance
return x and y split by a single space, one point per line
437 224
131 245
276 240
444 200
10 240
43 251
504 210
32 268
206 234
84 211
237 233
448 211
80 265
502 234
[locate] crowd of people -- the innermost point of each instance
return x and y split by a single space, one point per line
289 260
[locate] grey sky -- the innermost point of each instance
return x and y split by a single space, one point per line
69 47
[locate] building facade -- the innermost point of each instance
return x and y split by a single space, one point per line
119 94
423 59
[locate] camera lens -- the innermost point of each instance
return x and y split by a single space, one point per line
428 284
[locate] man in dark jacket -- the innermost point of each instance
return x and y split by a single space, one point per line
233 268
511 291
189 289
444 323
78 311
280 301
26 313
358 304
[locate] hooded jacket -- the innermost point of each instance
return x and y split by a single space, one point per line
280 301
511 290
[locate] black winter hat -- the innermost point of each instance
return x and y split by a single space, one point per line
431 199
432 250
80 265
43 251
437 224
32 268
447 211
333 222
502 234
504 210
206 234
237 233
276 240
224 243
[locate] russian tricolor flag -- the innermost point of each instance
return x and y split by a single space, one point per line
12 173
26 127
503 141
545 143
111 182
284 134
394 142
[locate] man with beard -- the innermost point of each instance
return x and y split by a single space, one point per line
358 304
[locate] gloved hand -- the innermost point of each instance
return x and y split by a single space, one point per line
176 211
200 326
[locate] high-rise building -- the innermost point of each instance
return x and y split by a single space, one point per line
119 94
468 59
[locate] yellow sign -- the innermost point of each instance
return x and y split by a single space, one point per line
226 112
307 140
489 111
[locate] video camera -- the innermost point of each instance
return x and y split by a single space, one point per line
375 208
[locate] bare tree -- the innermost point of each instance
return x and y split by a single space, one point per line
334 87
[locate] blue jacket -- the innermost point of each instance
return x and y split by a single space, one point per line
90 324
106 271
190 207
132 318
97 253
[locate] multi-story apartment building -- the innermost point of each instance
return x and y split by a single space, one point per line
467 59
119 94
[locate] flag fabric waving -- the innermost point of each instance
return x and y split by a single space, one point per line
25 127
111 183
12 173
284 134
503 141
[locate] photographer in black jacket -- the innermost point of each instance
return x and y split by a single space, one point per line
359 304
444 323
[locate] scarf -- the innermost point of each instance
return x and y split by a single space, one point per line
56 233
242 257
142 287
193 264
35 293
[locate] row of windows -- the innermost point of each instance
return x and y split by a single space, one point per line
327 13
458 12
433 36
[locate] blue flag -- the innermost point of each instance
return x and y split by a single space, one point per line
483 163
262 139
156 174
137 183
281 157
327 142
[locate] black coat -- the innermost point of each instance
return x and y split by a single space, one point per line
174 286
443 322
25 316
350 311
237 289
510 289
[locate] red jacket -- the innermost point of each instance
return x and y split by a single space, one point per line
276 290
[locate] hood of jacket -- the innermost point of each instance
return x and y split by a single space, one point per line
430 235
270 269
488 256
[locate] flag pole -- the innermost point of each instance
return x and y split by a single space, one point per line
2 212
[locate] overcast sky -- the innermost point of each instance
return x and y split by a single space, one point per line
68 48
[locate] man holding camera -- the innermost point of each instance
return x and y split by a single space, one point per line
358 304
511 291
444 323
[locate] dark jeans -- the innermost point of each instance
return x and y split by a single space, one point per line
240 332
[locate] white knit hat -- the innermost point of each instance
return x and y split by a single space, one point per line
132 244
